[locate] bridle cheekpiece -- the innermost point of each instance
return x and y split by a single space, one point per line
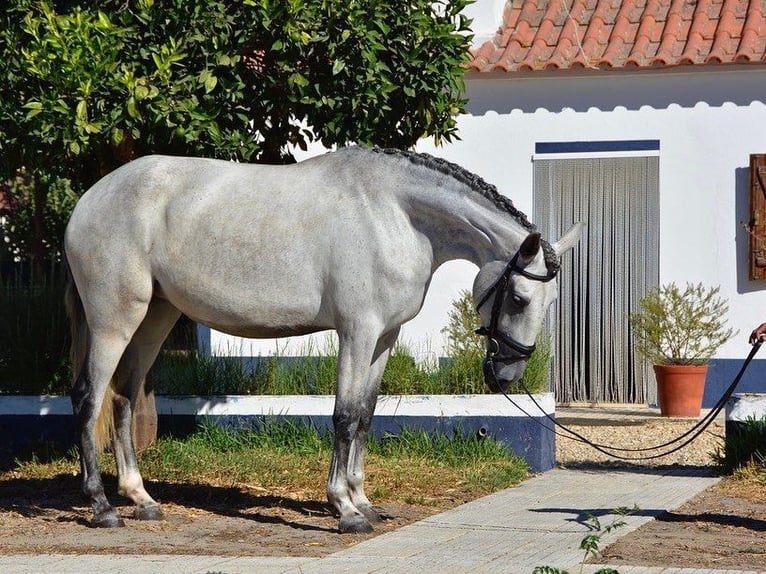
492 332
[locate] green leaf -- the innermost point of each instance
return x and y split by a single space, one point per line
210 83
104 20
82 110
298 80
338 67
141 92
117 136
132 108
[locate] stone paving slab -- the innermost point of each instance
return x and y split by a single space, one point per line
539 523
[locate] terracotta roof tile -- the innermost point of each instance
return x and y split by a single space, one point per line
541 35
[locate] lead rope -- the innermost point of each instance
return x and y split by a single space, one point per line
694 431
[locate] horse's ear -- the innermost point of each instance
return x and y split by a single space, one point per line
529 248
569 239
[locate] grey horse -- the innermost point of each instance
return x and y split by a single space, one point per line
346 241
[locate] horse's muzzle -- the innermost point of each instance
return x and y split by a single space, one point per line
491 378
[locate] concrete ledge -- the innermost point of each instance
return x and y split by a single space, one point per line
742 407
26 420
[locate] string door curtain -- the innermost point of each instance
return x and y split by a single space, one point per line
604 278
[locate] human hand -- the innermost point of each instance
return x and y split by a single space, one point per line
758 335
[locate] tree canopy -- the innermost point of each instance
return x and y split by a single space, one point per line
88 85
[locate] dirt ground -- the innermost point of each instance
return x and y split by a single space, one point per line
724 527
721 528
201 520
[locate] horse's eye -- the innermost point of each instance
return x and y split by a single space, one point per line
518 300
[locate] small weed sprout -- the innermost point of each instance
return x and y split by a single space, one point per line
591 543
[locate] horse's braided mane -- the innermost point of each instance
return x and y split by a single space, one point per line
480 186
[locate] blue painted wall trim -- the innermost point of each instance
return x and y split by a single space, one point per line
596 146
721 373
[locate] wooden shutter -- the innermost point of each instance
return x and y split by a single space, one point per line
757 225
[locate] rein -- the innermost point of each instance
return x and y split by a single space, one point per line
493 334
608 450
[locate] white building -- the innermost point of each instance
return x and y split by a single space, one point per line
639 118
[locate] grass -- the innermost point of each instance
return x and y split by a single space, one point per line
178 373
743 461
288 459
744 451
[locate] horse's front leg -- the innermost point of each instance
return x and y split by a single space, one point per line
360 367
345 421
359 444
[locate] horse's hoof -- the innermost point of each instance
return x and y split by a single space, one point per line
108 520
354 524
152 512
370 514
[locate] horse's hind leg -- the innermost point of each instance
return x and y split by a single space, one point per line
104 318
130 379
88 395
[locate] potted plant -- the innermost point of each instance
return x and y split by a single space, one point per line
679 331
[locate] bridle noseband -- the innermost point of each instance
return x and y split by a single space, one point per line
492 333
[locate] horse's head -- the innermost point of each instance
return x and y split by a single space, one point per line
512 299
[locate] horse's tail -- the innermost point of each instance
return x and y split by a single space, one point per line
79 356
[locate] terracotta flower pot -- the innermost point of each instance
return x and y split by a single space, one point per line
680 389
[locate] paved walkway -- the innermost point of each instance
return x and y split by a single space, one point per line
539 523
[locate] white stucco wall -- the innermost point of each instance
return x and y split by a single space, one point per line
708 123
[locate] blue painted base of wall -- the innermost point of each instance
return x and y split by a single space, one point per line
721 373
27 423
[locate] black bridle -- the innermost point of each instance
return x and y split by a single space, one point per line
492 331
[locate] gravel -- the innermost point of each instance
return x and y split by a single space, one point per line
632 426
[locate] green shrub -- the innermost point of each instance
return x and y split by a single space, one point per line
681 327
191 373
466 353
33 358
743 448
